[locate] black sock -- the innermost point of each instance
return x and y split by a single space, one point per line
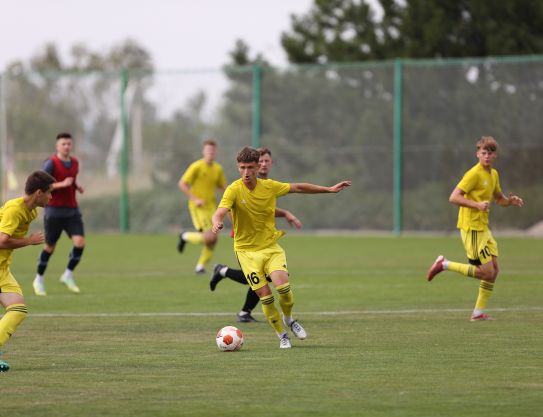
75 257
236 275
42 261
251 300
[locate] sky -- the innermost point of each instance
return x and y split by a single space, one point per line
179 34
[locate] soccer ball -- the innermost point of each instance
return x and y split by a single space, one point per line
229 339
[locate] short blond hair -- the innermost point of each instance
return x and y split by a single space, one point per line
488 143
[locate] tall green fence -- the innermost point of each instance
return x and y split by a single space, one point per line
403 131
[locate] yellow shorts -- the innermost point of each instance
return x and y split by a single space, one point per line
201 217
258 265
480 246
8 282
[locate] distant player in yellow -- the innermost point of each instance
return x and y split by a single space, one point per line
15 218
252 203
474 193
199 183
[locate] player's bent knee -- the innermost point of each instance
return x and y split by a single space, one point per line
210 238
489 274
49 248
263 291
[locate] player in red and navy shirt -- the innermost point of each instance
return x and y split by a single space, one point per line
62 214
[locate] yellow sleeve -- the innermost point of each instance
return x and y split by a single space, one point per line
468 182
498 189
10 221
228 198
281 188
190 174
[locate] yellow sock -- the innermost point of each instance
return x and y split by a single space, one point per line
196 238
485 291
205 256
286 299
464 269
14 315
271 313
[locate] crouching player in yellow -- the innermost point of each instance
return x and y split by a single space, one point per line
252 202
15 218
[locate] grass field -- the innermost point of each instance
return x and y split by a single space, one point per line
139 339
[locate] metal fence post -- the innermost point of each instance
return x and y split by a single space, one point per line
397 198
257 85
123 204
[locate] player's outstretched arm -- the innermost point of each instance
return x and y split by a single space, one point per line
307 188
218 218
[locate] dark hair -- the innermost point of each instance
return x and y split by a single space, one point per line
64 135
38 180
209 142
264 151
247 155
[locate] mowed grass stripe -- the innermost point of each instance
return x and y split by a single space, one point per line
303 313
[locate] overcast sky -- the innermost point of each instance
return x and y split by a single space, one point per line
179 34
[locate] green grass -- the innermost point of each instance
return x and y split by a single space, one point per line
139 339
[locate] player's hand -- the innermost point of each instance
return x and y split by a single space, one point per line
199 202
68 181
483 205
217 227
340 186
36 238
80 189
293 220
515 200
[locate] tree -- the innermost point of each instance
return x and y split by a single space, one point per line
78 94
349 30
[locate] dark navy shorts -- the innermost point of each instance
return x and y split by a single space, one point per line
72 225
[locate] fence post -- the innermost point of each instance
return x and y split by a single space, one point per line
397 196
123 204
257 85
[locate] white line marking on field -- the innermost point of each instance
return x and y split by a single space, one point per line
307 313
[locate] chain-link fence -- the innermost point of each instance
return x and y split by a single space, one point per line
405 144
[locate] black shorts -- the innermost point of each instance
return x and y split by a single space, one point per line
73 225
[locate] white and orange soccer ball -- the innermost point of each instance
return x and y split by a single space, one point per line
229 339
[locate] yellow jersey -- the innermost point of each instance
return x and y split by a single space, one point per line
15 219
253 213
478 185
204 179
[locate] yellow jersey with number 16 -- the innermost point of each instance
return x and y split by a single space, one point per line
253 213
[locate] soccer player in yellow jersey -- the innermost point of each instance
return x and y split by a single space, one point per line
221 271
199 183
252 203
474 193
15 218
